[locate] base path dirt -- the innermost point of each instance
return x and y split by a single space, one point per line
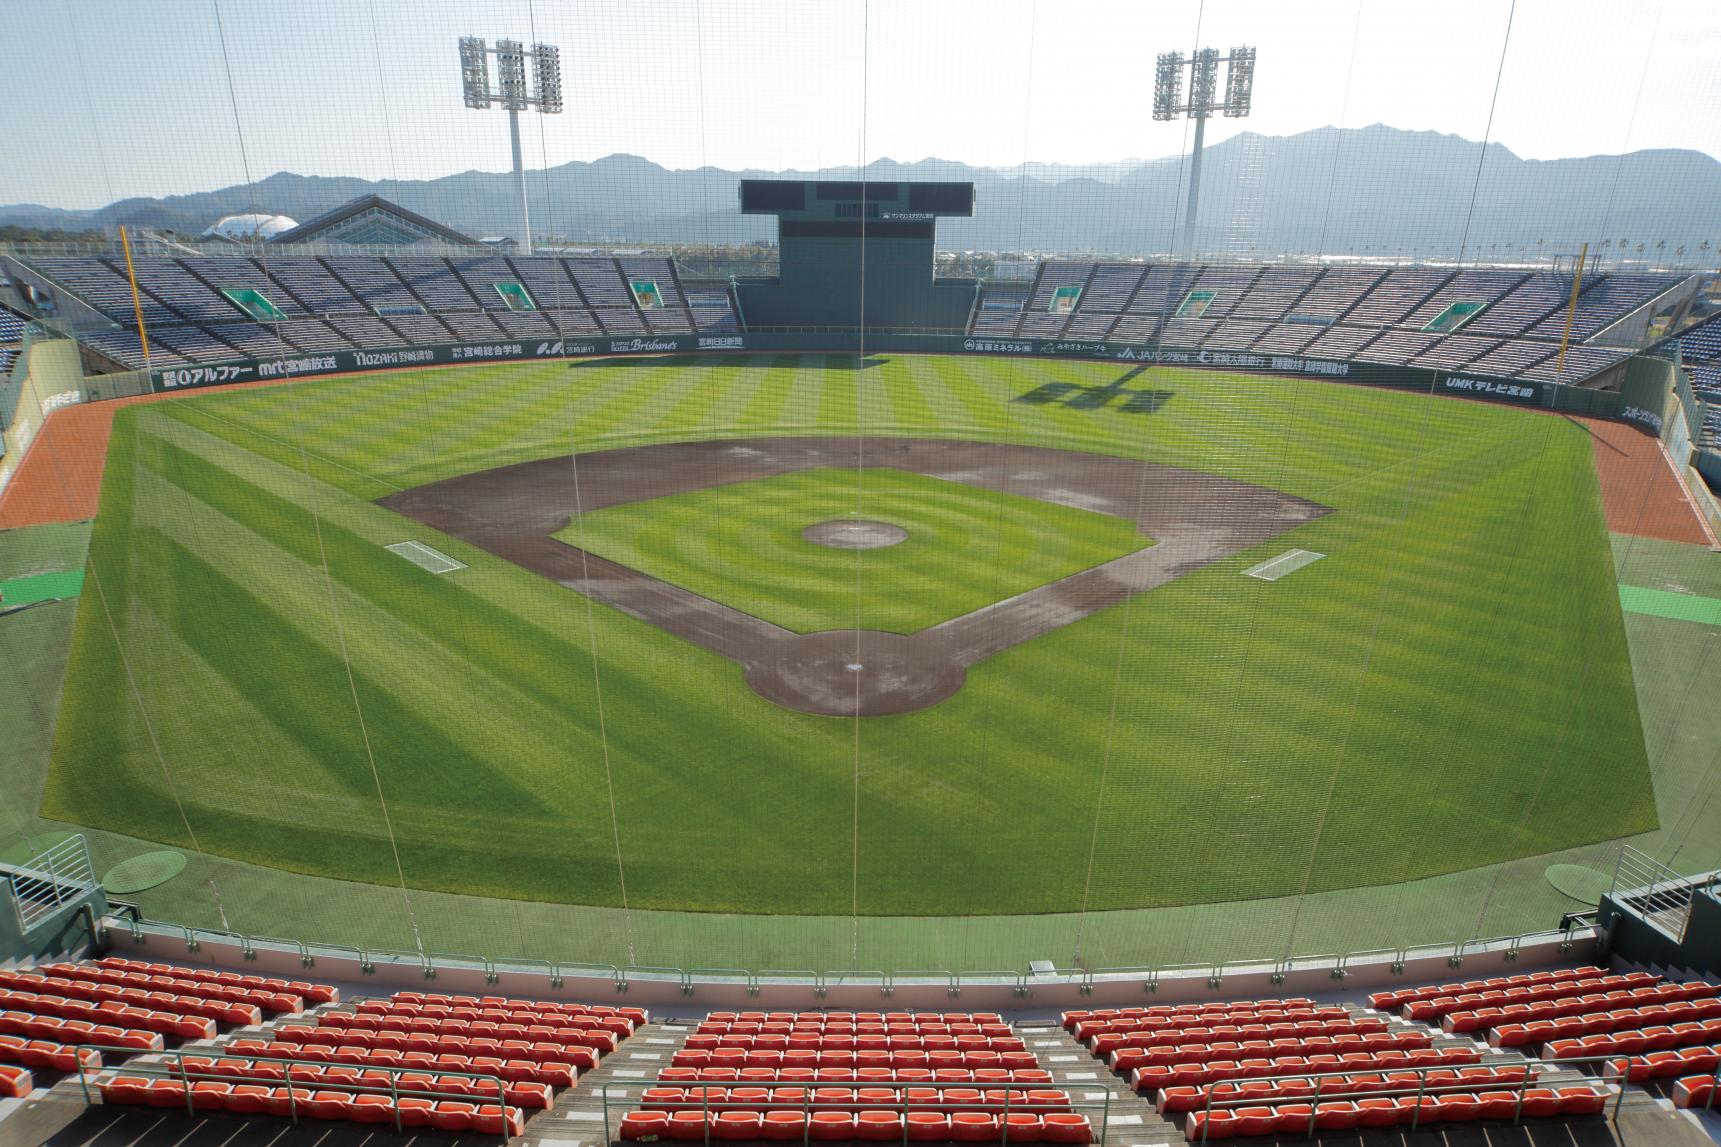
1195 519
1641 494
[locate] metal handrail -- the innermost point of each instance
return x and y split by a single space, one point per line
186 1076
1150 977
806 1105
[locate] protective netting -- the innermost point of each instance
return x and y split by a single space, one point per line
735 540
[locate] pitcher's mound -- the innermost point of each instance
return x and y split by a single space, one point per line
855 534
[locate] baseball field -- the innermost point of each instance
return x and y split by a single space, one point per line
626 684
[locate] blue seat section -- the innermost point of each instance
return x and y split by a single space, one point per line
1366 314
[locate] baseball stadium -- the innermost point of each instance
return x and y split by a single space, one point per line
716 633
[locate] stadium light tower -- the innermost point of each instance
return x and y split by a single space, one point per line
1168 104
513 94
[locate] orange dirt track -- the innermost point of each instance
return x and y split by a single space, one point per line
1640 493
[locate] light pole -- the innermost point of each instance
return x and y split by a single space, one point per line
1168 103
513 94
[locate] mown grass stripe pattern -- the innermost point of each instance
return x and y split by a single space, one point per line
1467 539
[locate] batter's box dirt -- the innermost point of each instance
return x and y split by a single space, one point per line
1195 519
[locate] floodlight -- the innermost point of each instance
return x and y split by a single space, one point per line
547 74
1203 77
1240 82
513 94
1203 67
1167 85
475 71
511 74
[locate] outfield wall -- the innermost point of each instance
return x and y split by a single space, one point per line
1573 399
48 377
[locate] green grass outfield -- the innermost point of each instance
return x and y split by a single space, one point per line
778 575
1447 688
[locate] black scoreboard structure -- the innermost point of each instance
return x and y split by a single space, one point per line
856 256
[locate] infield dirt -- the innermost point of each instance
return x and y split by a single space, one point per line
1195 519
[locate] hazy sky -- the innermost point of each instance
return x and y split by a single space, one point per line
114 99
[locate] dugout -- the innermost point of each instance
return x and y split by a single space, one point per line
856 255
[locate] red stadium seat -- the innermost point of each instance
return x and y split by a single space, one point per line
782 1125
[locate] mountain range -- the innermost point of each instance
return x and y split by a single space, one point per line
1365 191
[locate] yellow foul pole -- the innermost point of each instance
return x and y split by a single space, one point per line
136 299
1571 311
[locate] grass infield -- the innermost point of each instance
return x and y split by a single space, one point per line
776 574
1448 687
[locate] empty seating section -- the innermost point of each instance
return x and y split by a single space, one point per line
667 320
1394 1000
240 275
1573 1014
712 310
453 1063
1111 286
658 271
1227 285
56 1016
103 288
1396 348
1277 289
1524 306
926 1077
1000 308
8 356
11 326
183 292
124 347
371 280
1452 1099
1136 328
547 281
1465 287
258 340
1366 313
472 326
1186 332
1454 351
366 331
1512 358
310 282
482 274
422 329
1335 293
1580 363
1053 277
601 283
1043 324
1699 344
1090 324
1162 289
1266 1067
1287 338
193 343
312 335
575 322
1235 334
1393 299
355 1106
1340 342
1606 302
435 284
523 324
